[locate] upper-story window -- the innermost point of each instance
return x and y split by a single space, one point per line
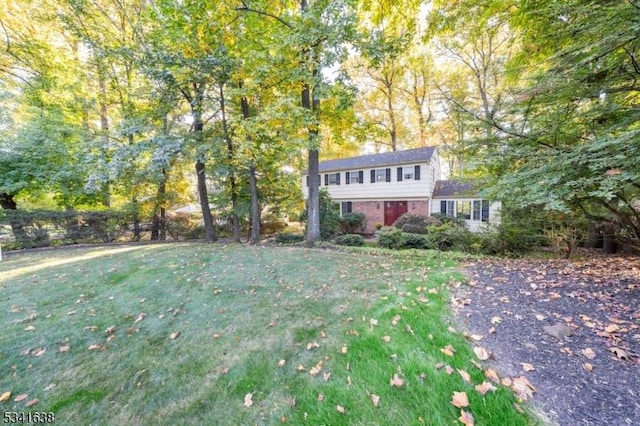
408 173
380 175
332 179
354 177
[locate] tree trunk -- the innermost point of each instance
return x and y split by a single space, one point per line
230 158
609 245
209 229
8 202
255 206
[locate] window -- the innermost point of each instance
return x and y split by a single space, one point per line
345 207
463 210
481 210
380 175
408 173
447 208
354 177
332 179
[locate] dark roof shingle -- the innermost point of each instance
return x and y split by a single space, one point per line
452 188
409 156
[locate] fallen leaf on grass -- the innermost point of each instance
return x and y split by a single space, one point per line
485 387
491 375
140 317
589 353
320 397
301 368
20 397
340 409
248 400
527 367
396 319
448 369
344 349
326 376
312 345
5 396
460 399
481 353
32 402
29 328
465 376
174 336
281 363
375 399
386 339
316 370
95 347
466 418
396 381
448 350
64 348
373 322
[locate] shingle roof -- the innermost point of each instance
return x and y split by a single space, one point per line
409 156
452 188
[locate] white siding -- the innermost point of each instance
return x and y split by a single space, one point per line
406 189
474 225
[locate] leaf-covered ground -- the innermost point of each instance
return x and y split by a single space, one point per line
572 327
226 334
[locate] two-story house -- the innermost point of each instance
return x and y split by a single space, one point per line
385 186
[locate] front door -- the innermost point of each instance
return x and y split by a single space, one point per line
393 210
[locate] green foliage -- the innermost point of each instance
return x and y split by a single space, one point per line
329 216
354 240
390 237
351 223
446 219
289 238
415 223
450 237
416 241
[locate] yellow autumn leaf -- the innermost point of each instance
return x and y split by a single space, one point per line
5 396
281 363
448 350
340 409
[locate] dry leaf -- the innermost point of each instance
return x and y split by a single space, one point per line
396 319
140 317
64 348
589 353
506 382
29 328
587 366
523 388
485 387
448 369
492 330
39 352
312 345
174 336
340 409
527 367
481 353
20 397
611 328
540 317
460 399
110 330
448 350
496 320
326 376
320 397
5 396
315 370
465 376
491 375
281 363
32 402
343 349
409 329
292 403
375 399
439 365
396 381
466 418
386 339
95 347
620 353
248 401
373 322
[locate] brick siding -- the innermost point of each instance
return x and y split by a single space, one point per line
374 211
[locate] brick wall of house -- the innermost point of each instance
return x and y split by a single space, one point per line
374 211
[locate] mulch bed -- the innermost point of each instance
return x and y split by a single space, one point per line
577 322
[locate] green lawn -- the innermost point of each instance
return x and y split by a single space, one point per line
183 334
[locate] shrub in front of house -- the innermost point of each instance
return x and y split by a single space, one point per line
289 238
416 241
350 223
349 240
451 237
415 223
390 237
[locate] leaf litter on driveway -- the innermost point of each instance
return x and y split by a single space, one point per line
572 327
